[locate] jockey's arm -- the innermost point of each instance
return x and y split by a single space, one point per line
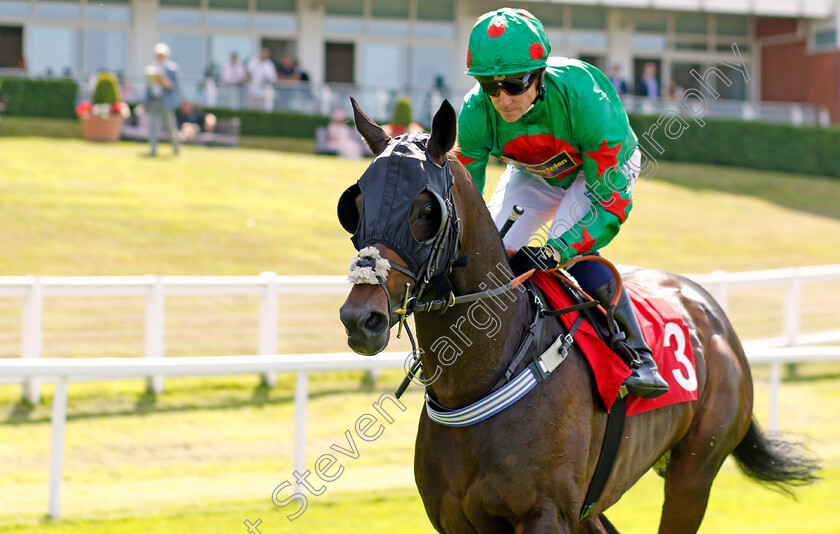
607 144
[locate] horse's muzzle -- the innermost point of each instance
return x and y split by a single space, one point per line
368 328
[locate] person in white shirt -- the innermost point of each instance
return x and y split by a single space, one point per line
233 72
234 77
262 73
261 70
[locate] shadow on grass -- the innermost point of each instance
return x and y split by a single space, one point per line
148 402
816 195
21 412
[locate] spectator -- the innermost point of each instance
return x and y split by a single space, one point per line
233 72
162 97
261 70
618 81
289 70
341 138
234 77
262 74
192 122
649 84
675 91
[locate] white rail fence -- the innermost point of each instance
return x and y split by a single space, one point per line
35 294
32 368
64 370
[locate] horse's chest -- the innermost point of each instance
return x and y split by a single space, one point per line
474 473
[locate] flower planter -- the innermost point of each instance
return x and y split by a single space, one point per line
103 129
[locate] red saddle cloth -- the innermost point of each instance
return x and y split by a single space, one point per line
666 333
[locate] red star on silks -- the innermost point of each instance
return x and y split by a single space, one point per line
463 159
606 157
585 244
617 205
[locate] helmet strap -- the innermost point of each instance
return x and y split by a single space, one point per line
541 90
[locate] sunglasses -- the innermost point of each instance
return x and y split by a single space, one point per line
512 84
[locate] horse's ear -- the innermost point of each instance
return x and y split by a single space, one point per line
373 134
444 131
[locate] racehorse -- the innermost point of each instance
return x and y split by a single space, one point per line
526 469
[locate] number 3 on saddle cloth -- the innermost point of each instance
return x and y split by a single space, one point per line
666 333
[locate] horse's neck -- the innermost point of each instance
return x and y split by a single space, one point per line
473 343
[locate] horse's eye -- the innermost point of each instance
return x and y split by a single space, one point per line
426 211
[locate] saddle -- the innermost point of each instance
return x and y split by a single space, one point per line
665 332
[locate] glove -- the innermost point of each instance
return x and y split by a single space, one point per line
527 258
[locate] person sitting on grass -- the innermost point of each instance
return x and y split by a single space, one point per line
192 122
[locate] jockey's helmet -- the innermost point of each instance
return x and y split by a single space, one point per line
507 41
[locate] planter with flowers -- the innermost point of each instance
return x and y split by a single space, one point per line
102 120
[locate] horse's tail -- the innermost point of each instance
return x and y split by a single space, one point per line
774 462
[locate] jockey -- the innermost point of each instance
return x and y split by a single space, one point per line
548 119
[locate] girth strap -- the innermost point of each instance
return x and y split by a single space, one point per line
612 440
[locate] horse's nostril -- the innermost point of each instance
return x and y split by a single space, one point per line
375 323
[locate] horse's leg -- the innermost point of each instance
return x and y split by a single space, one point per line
687 486
696 459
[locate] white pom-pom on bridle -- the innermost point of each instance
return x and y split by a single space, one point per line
368 267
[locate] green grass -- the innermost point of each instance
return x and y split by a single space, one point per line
206 455
77 208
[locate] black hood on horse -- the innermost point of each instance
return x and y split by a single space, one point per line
389 188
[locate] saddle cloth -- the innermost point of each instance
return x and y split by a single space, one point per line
665 332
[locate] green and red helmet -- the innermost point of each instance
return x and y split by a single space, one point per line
507 41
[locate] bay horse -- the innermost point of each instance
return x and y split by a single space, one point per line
526 469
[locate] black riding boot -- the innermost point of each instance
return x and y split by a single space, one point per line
628 342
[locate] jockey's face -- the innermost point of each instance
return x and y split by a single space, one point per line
511 108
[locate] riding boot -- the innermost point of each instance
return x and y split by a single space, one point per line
627 340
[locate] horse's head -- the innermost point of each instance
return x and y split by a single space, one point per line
402 218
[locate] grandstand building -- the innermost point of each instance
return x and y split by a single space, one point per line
377 49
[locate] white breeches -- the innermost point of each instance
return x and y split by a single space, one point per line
544 203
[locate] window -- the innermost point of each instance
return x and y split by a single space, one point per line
277 15
180 12
824 39
104 50
652 23
108 11
642 41
384 65
11 46
343 7
691 23
588 18
222 46
735 25
189 52
394 9
52 49
14 8
389 28
549 15
58 10
339 66
276 6
432 66
227 13
435 10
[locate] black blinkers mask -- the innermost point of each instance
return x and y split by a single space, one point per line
389 188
